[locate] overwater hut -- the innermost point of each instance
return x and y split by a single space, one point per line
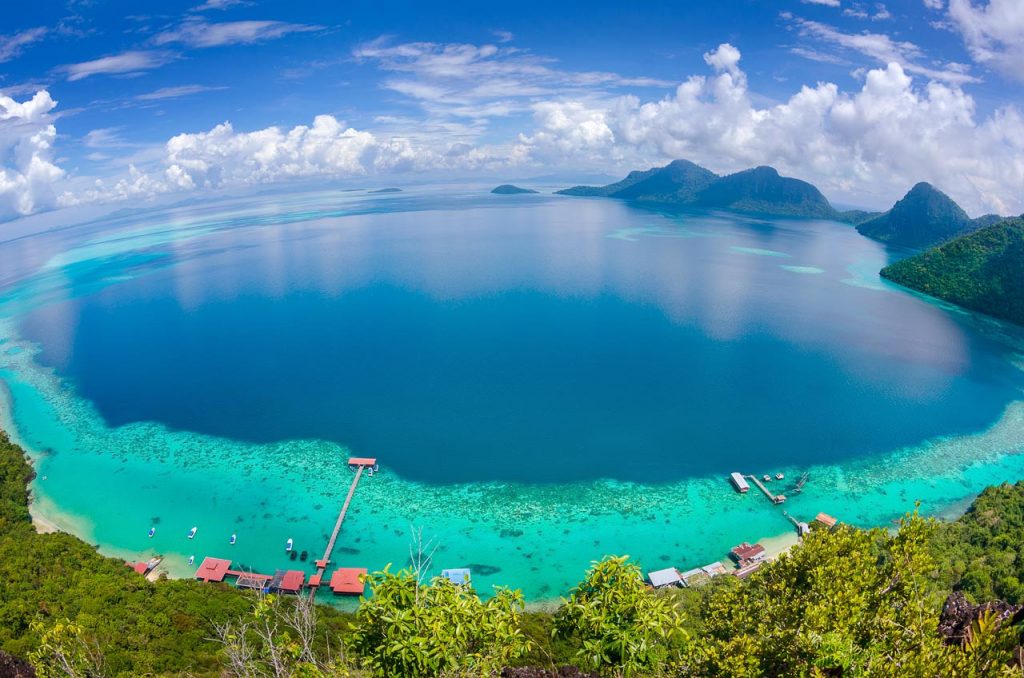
457 576
739 482
714 569
667 577
251 580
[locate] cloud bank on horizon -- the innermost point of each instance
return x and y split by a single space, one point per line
894 115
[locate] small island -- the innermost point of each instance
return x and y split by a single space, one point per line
509 189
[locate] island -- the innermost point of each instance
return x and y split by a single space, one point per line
760 189
510 189
924 217
982 271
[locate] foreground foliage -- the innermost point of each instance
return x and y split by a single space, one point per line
407 628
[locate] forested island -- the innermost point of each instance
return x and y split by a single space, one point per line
982 271
917 601
510 189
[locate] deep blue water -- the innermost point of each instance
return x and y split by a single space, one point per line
529 339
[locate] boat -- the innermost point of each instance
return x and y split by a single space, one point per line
303 556
191 559
233 539
767 478
192 532
376 467
289 545
152 531
780 476
370 472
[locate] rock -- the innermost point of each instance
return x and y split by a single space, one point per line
13 667
958 614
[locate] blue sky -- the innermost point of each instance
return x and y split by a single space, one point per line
411 91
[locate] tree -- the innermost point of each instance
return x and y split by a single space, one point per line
623 627
406 628
64 652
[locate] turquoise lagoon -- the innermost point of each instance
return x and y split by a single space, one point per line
545 380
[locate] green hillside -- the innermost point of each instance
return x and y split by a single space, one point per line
983 271
924 217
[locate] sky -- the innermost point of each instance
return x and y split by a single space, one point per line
108 102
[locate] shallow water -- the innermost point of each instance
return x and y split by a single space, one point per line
545 380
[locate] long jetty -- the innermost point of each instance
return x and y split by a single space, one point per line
321 565
776 498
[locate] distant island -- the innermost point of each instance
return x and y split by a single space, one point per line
982 271
509 189
923 218
386 190
761 189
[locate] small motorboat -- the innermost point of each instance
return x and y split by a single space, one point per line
192 532
376 467
152 531
289 545
191 559
370 472
767 478
780 476
233 539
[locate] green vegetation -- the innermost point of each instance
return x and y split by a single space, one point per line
410 629
983 271
924 217
59 581
509 189
845 602
982 553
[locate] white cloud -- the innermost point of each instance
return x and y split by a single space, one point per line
934 4
195 32
867 146
218 4
126 63
480 81
993 32
28 177
885 50
175 92
12 45
828 3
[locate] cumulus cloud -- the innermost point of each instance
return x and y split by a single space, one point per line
28 176
126 63
993 33
867 146
196 32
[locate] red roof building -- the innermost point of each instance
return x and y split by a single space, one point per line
346 581
213 569
748 553
141 568
362 461
289 581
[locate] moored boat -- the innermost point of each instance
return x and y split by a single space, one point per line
191 559
289 545
234 538
152 531
192 532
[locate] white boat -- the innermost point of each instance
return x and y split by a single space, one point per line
288 545
152 531
780 476
191 559
192 532
233 539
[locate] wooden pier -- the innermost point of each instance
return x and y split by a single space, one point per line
776 498
360 463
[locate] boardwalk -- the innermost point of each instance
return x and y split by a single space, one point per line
321 565
776 499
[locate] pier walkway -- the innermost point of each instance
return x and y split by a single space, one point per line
361 464
776 498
